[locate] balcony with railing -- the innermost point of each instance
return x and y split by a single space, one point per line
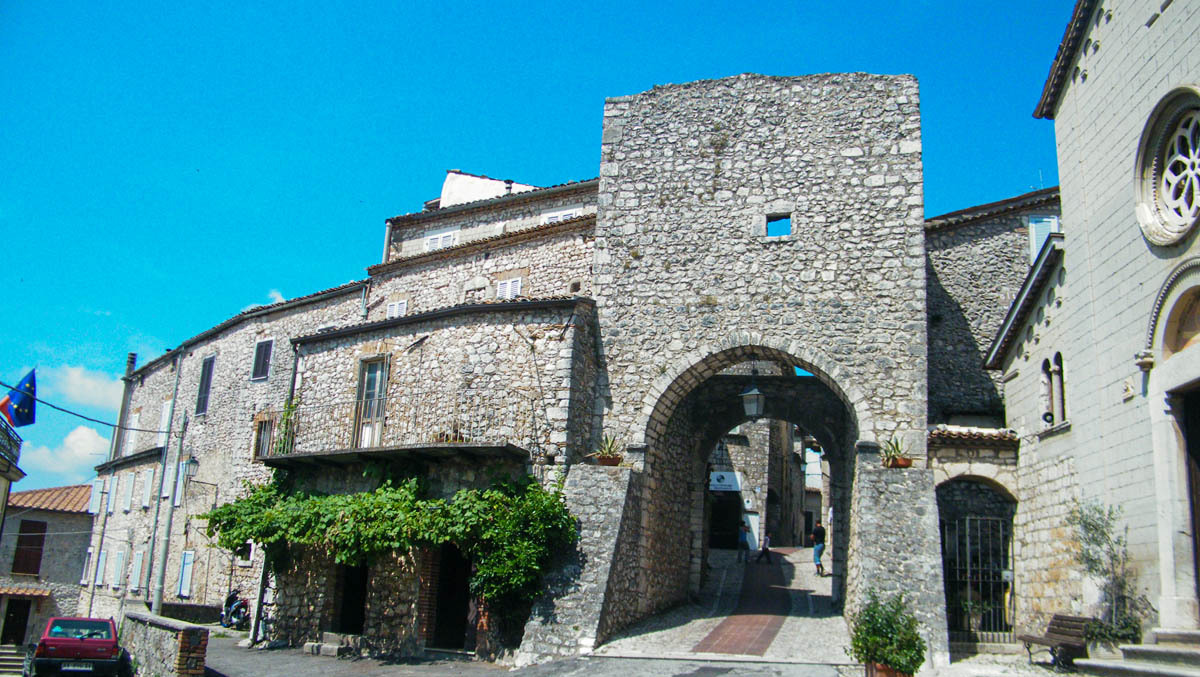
418 426
10 443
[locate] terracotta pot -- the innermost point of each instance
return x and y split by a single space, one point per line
608 460
902 462
881 670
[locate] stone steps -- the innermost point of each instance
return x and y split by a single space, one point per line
12 659
333 644
1173 653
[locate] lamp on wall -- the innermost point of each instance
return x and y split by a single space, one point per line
753 400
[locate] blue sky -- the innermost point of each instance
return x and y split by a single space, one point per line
168 164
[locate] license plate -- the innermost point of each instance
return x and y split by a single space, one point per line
82 667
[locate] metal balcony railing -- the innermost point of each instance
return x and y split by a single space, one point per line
10 442
412 420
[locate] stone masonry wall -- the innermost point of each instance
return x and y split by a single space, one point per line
547 267
63 554
161 647
519 212
973 272
1047 578
689 176
895 547
221 439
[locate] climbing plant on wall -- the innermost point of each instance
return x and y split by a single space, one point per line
510 530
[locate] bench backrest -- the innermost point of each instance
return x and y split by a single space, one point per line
1067 626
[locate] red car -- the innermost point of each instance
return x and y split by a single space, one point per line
77 646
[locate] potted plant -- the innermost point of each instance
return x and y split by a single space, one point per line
884 637
608 453
893 454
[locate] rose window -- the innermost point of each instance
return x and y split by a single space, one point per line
1168 169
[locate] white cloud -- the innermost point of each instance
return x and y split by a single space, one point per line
72 460
275 296
83 386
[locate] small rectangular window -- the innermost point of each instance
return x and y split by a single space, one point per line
87 562
97 496
131 426
262 360
27 558
397 309
185 573
1040 228
164 423
127 497
135 571
180 479
244 554
113 487
118 569
148 488
441 240
264 432
508 289
206 372
779 225
100 561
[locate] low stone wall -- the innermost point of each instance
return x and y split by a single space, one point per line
161 646
895 547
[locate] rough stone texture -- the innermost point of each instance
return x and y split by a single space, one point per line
161 646
973 272
222 439
895 547
1047 578
63 555
568 619
963 497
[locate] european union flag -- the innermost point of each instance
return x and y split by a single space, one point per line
17 406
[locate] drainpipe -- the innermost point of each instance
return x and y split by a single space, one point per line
387 242
160 574
162 477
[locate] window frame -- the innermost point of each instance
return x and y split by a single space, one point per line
508 284
269 424
30 548
205 388
397 309
265 364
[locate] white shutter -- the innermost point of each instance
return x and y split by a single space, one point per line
514 288
148 489
180 478
397 309
185 573
164 422
97 494
118 569
112 495
135 421
87 561
127 498
135 572
99 580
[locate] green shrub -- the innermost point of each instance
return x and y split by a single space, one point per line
885 632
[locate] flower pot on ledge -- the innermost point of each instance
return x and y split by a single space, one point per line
608 460
902 462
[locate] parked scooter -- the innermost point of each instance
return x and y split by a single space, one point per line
236 612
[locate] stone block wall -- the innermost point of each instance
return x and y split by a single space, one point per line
488 218
1048 580
895 547
304 597
973 272
548 265
161 646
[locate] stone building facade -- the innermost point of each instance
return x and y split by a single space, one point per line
509 328
42 556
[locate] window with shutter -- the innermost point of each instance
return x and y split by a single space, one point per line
397 309
264 432
262 360
185 573
180 478
99 578
508 289
1040 228
131 433
112 495
135 571
87 562
206 373
118 569
127 497
441 240
27 558
164 422
97 496
148 489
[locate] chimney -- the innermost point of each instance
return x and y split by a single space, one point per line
508 186
130 363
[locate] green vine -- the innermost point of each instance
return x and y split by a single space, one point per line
510 530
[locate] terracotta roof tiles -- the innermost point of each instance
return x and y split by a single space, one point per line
57 499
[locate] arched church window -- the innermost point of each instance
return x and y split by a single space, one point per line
1047 397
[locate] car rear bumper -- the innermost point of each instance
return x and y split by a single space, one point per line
54 666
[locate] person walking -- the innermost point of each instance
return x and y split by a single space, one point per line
743 544
818 543
766 549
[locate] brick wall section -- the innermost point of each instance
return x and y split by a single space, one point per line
163 646
973 273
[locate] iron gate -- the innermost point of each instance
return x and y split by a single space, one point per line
977 566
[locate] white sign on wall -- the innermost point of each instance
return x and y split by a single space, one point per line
725 481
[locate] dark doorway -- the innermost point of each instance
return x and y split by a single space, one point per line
453 601
1191 434
351 600
726 519
15 620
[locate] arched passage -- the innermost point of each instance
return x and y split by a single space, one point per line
684 418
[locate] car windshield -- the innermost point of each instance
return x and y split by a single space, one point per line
81 629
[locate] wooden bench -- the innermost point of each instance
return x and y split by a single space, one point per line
1064 638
